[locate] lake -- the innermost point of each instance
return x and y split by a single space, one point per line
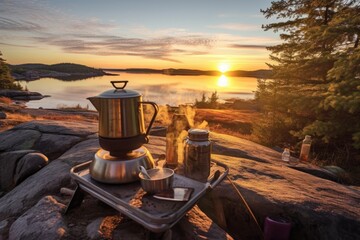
159 88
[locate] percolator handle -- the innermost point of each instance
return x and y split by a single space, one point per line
156 110
119 81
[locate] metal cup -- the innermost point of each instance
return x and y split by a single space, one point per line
161 179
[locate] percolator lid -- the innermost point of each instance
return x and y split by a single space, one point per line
119 92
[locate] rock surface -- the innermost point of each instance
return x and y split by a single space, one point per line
92 219
43 221
51 138
15 166
317 208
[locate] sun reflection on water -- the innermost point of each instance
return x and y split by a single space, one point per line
223 81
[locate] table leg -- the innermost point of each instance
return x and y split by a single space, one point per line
76 199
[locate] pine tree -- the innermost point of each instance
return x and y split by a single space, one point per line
316 73
6 80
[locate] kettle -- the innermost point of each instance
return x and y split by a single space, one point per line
121 119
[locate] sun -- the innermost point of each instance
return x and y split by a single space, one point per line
223 67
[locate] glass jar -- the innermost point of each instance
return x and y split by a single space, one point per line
197 155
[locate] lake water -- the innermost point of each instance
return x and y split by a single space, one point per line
159 88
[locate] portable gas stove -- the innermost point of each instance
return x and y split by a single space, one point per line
129 199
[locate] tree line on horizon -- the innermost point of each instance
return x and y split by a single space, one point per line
315 83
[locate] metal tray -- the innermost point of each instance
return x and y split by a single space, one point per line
130 200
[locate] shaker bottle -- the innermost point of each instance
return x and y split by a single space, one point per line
285 156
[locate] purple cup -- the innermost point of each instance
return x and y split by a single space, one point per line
277 228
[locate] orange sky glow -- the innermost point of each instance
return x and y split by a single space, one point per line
120 35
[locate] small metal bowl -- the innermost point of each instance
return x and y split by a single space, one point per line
161 179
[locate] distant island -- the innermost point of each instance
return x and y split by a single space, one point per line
262 73
72 72
62 71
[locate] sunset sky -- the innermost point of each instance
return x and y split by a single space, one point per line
199 34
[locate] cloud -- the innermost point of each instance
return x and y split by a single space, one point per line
158 48
13 25
39 23
251 46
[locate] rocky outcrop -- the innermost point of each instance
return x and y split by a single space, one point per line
51 138
37 199
27 148
318 208
21 95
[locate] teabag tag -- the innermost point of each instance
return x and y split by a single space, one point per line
179 194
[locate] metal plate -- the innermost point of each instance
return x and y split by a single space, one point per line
129 199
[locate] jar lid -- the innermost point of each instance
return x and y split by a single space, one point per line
198 134
119 91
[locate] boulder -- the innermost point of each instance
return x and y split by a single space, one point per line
43 221
28 165
15 166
